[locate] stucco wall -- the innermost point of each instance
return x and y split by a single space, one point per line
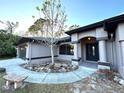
79 49
91 33
99 33
39 51
119 48
111 53
120 32
65 57
114 49
74 37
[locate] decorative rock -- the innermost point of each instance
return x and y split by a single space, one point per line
57 65
116 79
62 70
64 65
83 92
121 82
93 79
29 68
93 82
107 86
77 90
49 70
93 86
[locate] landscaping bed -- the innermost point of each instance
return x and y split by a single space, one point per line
58 67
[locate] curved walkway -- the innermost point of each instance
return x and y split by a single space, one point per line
12 66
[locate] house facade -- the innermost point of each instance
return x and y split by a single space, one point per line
33 49
101 43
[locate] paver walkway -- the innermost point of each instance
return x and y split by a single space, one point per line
12 67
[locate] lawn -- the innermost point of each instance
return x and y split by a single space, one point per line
93 84
5 58
37 88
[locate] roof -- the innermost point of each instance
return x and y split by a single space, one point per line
23 40
64 39
108 24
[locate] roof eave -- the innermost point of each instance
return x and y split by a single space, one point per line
113 20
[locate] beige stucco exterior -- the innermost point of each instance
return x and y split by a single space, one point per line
110 45
109 51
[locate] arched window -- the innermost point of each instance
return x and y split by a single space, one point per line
66 49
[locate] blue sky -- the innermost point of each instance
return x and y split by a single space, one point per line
81 12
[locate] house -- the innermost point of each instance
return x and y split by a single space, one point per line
34 49
101 42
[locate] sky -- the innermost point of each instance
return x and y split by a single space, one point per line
80 12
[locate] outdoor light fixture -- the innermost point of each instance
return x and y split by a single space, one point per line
111 35
26 46
89 38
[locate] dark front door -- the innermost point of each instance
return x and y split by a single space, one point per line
92 52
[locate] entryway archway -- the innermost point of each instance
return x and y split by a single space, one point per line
89 49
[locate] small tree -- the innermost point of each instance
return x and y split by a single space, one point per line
10 26
37 26
73 27
54 24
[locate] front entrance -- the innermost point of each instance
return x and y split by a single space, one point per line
92 52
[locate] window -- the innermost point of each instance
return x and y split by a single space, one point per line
66 49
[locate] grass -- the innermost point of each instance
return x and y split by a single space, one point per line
4 58
37 88
1 81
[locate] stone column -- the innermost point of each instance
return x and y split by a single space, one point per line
103 64
102 51
121 65
28 52
18 52
76 51
122 52
75 60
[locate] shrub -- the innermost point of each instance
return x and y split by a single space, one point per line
7 45
2 70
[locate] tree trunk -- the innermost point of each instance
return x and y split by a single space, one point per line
52 54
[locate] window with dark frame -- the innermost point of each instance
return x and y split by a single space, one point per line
66 49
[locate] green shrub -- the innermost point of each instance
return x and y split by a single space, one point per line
2 70
7 45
